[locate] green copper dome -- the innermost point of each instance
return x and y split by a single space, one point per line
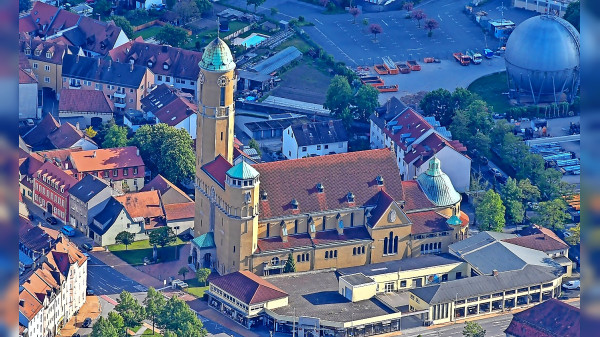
217 57
437 185
242 171
454 221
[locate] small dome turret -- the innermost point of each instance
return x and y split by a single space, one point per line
217 57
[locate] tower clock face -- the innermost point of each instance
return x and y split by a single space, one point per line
201 78
223 81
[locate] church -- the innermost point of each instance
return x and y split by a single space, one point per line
333 211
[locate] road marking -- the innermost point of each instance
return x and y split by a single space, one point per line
319 21
385 23
440 18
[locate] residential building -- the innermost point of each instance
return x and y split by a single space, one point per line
122 167
54 291
51 190
180 217
34 243
49 134
93 37
125 84
175 67
28 95
88 197
332 207
145 208
314 139
169 192
93 106
46 60
271 128
172 107
415 140
552 318
557 7
112 220
82 9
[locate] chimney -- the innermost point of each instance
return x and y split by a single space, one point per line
77 59
131 67
94 154
283 231
77 125
109 63
311 227
137 152
494 272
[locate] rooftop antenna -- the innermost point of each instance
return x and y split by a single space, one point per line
218 27
501 8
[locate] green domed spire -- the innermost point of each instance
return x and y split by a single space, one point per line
437 185
217 57
242 170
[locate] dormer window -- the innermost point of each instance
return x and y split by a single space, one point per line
150 64
263 195
350 197
48 55
27 51
38 52
320 188
379 180
165 66
294 204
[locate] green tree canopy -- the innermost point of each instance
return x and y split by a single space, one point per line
103 328
187 10
204 6
166 150
366 101
339 95
290 264
116 321
255 145
255 3
512 195
473 329
202 275
162 236
490 212
552 214
178 318
125 25
103 131
438 103
125 238
115 137
469 123
130 309
24 5
575 235
478 187
182 271
572 14
154 302
90 132
173 36
101 7
531 193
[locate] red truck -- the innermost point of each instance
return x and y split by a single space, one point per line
461 58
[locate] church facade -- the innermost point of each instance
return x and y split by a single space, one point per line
333 211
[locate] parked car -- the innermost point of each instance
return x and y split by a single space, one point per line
484 161
76 335
87 322
495 172
571 285
52 220
86 246
29 122
68 230
566 233
89 292
501 179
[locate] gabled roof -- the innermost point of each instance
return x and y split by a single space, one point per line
182 63
169 105
414 197
384 201
56 49
56 175
429 147
142 204
99 36
33 237
248 287
103 71
162 185
354 172
552 318
82 100
66 136
106 159
26 77
319 133
542 242
179 211
428 222
107 217
39 133
217 168
88 187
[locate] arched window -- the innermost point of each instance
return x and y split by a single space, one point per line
354 251
456 236
422 249
363 249
431 246
390 242
326 255
275 261
335 253
298 258
395 244
385 246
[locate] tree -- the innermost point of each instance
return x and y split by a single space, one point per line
408 6
204 6
202 275
115 137
290 264
338 95
552 214
186 10
439 104
430 25
130 309
90 132
478 187
530 192
162 237
324 3
571 14
575 235
255 145
255 3
173 36
375 29
170 4
274 11
116 321
418 15
512 196
103 328
178 318
467 123
473 329
125 238
125 25
154 303
462 98
101 7
166 150
365 22
490 212
103 130
24 5
354 12
182 271
366 101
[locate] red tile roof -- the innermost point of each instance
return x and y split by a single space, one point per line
57 49
414 197
26 77
58 157
106 159
384 201
248 287
162 185
176 111
142 204
552 318
81 100
429 146
39 134
354 172
180 211
99 36
40 16
66 136
428 222
542 242
350 233
413 125
293 241
217 168
57 175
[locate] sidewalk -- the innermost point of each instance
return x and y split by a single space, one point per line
126 269
91 309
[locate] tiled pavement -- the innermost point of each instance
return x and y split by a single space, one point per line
126 269
91 309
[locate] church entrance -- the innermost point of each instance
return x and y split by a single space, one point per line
207 257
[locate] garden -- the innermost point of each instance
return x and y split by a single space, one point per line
138 251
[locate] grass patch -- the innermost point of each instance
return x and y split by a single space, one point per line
147 33
148 332
195 288
296 42
491 89
137 251
206 36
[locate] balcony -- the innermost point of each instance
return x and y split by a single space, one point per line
120 94
120 105
73 85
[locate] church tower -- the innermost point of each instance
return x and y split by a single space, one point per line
216 84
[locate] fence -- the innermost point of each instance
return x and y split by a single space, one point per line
156 23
